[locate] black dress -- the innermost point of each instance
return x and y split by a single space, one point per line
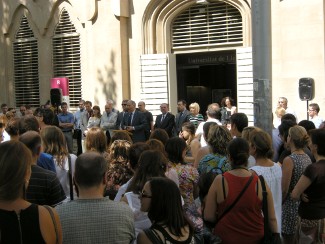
20 228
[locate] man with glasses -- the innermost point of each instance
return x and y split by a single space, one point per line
77 122
121 114
313 111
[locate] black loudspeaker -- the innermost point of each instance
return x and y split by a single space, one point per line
56 96
306 89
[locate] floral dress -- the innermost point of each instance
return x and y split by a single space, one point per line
118 174
188 177
216 163
290 207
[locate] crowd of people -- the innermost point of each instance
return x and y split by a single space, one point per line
125 177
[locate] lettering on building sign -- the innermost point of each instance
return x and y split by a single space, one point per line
213 59
58 82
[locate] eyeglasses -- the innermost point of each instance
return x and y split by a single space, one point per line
123 104
143 195
311 110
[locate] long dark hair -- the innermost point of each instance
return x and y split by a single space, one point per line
151 163
317 137
174 149
166 205
238 150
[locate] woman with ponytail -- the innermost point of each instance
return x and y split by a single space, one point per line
243 222
260 147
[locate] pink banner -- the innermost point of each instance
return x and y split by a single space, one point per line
61 82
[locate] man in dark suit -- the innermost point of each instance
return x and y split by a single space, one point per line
120 116
149 118
165 120
135 122
182 116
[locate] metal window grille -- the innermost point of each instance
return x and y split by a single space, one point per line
25 55
66 56
214 24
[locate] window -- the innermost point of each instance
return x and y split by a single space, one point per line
25 53
213 24
66 56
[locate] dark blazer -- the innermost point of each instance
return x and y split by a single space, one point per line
167 124
179 120
119 119
139 123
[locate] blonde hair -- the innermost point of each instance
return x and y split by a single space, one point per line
196 107
299 136
279 112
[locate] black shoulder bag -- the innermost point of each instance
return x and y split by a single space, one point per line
269 237
210 224
70 177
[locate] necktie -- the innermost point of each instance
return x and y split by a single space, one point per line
179 119
130 119
163 117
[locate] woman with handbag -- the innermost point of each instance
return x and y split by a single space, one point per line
260 147
54 143
237 198
310 189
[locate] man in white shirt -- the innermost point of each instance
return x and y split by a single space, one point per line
283 102
313 111
214 115
108 120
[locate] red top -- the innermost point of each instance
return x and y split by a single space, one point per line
244 223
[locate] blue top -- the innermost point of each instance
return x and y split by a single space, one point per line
77 118
45 161
66 118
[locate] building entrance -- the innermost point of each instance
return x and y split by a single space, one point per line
206 77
